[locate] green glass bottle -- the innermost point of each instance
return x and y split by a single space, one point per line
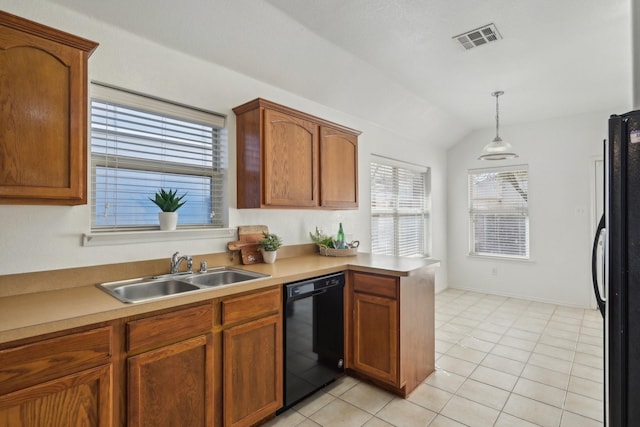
340 238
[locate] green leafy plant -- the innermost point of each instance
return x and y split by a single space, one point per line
321 239
270 242
168 201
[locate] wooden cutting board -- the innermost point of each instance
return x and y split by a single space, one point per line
247 243
250 254
251 233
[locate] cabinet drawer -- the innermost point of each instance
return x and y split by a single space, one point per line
251 306
53 358
373 284
169 327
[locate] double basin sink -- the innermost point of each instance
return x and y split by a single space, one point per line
152 288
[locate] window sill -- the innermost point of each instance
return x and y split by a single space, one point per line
132 237
500 258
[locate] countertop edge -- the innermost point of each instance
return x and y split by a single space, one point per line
29 315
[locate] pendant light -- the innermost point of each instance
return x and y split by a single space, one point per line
497 149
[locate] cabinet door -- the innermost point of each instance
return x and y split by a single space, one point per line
375 337
338 168
43 115
252 361
173 385
290 160
81 399
53 358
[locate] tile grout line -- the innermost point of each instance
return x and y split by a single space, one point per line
502 335
530 353
477 309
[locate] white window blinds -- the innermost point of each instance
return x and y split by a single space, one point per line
140 144
499 212
399 209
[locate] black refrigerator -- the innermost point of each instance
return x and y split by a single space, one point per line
619 296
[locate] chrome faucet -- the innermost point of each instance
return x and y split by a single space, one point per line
176 261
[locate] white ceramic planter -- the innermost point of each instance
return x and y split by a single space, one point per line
168 220
269 257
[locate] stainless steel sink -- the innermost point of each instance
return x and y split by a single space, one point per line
152 288
222 276
136 291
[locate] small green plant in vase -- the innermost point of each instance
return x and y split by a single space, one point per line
269 245
169 202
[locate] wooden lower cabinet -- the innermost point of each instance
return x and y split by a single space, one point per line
375 337
82 399
213 363
172 385
58 382
170 369
186 369
253 371
390 333
252 352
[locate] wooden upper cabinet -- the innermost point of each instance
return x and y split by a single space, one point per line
287 158
339 167
290 160
43 114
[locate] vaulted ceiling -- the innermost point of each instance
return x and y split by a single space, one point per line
395 63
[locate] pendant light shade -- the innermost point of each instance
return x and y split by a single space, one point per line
497 149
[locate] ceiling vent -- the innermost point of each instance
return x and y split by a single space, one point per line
474 38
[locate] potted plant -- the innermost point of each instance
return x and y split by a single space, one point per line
168 202
269 245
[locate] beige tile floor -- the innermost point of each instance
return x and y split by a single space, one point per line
499 362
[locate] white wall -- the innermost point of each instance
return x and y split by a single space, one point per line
560 154
36 238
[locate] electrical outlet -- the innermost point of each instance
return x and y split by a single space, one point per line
494 271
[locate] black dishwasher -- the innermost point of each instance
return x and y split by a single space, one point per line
313 335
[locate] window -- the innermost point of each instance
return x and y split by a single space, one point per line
499 212
140 144
400 196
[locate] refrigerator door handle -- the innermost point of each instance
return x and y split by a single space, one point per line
594 266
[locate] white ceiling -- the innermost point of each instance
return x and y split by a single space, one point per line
394 62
